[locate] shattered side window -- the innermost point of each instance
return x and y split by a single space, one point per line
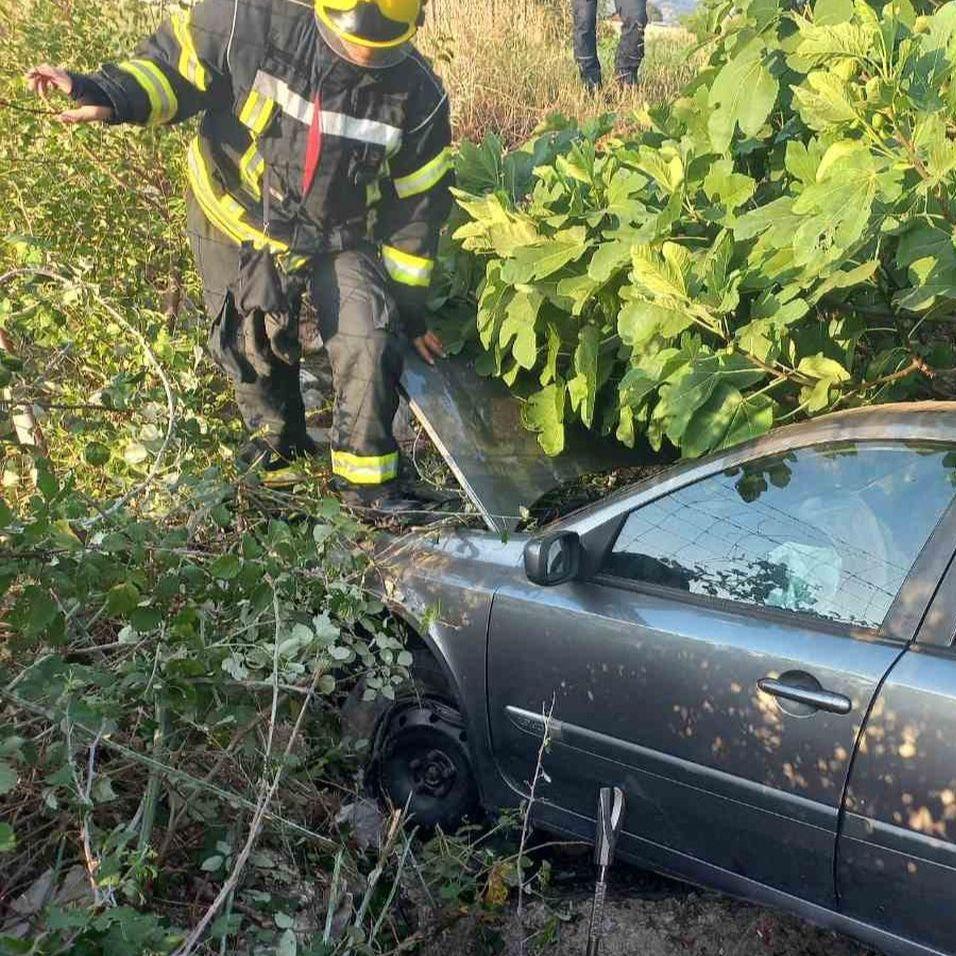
831 530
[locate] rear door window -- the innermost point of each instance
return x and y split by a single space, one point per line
829 530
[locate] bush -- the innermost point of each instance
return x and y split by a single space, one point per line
173 656
776 244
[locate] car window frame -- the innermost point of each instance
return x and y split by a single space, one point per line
937 627
909 606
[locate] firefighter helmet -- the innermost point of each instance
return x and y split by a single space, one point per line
378 24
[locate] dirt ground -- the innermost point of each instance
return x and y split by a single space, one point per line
646 915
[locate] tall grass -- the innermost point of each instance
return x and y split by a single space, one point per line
508 65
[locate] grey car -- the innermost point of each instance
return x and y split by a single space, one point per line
757 646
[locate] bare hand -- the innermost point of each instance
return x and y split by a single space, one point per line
429 347
41 79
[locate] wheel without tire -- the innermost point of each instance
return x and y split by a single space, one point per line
425 765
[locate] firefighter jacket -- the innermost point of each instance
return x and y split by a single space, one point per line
353 153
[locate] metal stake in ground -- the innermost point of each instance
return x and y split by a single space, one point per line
610 817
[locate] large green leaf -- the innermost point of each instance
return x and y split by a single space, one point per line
530 263
929 257
663 165
579 289
691 390
518 327
662 273
726 418
543 413
550 371
775 221
494 226
837 207
825 101
493 299
742 95
640 320
821 367
608 258
832 11
823 42
726 187
582 389
478 166
625 196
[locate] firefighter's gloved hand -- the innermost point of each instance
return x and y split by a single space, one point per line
41 79
429 346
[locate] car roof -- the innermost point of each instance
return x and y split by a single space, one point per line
936 417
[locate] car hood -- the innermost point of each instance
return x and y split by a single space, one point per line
475 423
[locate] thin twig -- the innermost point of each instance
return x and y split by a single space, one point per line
254 828
173 773
36 111
525 822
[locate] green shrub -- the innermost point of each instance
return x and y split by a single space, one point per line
777 243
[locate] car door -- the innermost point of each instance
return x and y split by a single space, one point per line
896 854
780 573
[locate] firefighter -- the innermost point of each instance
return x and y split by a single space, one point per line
322 164
630 50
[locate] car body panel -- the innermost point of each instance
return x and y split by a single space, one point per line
443 588
898 839
693 870
660 696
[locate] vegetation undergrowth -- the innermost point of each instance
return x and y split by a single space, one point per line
776 243
507 65
174 655
176 640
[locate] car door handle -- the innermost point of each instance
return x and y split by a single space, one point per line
820 699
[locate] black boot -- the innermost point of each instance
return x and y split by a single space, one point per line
386 505
279 467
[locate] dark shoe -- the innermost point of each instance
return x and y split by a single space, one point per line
277 468
385 505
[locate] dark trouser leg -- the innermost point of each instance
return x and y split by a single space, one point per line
585 40
357 318
630 51
267 388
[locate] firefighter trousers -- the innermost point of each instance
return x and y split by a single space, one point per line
359 324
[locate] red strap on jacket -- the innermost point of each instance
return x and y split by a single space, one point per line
313 149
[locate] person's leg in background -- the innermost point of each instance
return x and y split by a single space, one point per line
630 51
266 387
585 41
358 321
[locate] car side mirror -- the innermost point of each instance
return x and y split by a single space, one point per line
551 559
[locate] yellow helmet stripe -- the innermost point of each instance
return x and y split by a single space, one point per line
389 8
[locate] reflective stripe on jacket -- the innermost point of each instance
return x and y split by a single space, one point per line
258 70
